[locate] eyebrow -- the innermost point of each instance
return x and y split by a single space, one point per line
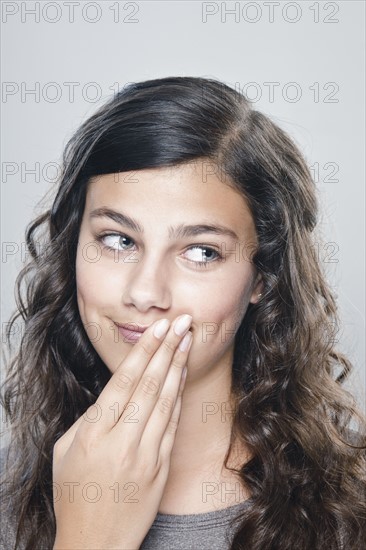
179 232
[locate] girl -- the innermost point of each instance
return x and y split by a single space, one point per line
182 235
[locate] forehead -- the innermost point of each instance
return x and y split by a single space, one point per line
195 192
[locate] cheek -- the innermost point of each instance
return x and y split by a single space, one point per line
94 296
217 308
220 305
92 285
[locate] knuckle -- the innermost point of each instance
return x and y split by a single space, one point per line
149 466
86 440
165 405
90 413
150 385
169 346
127 458
177 363
159 464
146 347
123 382
172 426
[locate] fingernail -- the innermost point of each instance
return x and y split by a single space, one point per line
182 324
161 328
185 343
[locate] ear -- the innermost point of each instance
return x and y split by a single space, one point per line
257 289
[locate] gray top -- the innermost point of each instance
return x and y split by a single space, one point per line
207 531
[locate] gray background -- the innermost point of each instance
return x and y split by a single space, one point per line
311 52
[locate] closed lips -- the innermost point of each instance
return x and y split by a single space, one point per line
133 327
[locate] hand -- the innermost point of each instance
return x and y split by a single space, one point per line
110 468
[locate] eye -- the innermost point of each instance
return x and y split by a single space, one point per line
115 241
203 255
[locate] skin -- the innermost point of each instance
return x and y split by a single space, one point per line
154 278
151 275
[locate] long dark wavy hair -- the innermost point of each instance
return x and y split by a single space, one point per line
306 475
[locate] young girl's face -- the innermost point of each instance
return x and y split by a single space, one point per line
161 242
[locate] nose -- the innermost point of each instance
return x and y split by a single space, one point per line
148 285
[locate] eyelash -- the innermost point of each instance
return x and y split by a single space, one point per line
100 238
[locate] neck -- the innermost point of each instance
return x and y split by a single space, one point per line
206 416
198 480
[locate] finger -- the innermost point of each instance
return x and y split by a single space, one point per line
167 442
160 417
120 387
147 394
